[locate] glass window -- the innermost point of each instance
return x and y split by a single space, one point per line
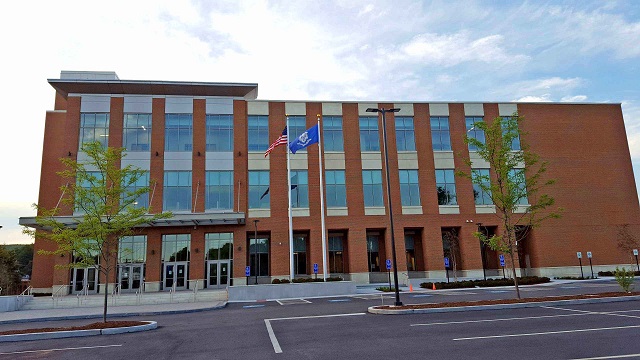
373 257
369 137
297 126
259 256
481 197
440 138
299 189
218 246
132 249
137 132
409 189
177 191
332 133
405 138
509 121
259 189
473 131
446 186
336 253
518 180
178 132
176 247
142 201
258 132
87 192
410 251
219 133
299 254
94 127
372 187
336 188
219 190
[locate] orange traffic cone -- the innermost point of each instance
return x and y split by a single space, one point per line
433 287
410 287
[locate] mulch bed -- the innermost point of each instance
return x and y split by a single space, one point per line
97 325
507 301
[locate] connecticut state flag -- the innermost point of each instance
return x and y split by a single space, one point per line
311 136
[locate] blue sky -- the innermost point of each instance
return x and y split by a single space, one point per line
576 51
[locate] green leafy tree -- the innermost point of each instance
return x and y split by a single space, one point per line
106 195
518 183
9 272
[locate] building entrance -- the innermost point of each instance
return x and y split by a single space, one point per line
218 273
176 275
130 277
84 280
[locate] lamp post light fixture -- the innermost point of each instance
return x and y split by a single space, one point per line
383 111
255 246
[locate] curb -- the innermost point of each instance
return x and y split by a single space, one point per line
376 310
127 314
150 325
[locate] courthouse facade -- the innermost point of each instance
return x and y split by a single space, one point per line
202 146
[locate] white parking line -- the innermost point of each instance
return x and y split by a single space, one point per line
60 349
549 333
493 320
611 357
590 312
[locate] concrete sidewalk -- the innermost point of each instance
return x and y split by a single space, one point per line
22 316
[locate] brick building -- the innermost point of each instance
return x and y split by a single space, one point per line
203 146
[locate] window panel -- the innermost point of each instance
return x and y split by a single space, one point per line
446 187
176 247
405 137
258 132
299 189
332 133
440 137
409 188
132 249
258 186
94 127
219 133
369 137
219 190
177 191
372 187
480 196
178 132
336 188
137 132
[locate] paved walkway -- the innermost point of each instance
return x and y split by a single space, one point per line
113 311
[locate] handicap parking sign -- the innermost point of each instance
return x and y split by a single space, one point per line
315 268
247 271
502 260
446 262
388 264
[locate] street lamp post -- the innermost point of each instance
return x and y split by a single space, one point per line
255 246
383 111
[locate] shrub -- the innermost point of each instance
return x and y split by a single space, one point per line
612 273
526 280
387 289
280 281
624 278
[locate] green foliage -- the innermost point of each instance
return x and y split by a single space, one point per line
9 272
387 289
306 280
613 273
526 280
24 257
624 278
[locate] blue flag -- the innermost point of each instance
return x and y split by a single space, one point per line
311 136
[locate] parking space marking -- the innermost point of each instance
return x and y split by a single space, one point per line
60 349
549 333
339 300
591 312
611 357
251 306
493 320
421 295
293 301
373 297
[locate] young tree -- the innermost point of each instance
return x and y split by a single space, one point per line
452 248
627 242
518 182
107 196
9 272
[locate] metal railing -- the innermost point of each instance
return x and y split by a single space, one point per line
172 291
139 293
195 289
26 292
115 293
82 296
59 293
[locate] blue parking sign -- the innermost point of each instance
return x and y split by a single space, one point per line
388 264
446 262
247 271
315 268
502 260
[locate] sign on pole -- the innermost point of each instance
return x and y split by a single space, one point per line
247 271
635 252
589 254
502 260
579 255
388 264
315 268
446 262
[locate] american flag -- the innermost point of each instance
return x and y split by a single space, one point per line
282 140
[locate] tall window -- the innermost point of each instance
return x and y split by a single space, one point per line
336 253
219 190
219 133
373 255
518 179
405 137
440 137
473 131
446 186
218 246
258 132
142 201
336 188
94 127
332 133
86 194
369 137
132 249
177 191
299 189
410 251
176 247
409 189
178 132
297 125
481 197
372 187
137 132
300 254
259 189
509 121
259 256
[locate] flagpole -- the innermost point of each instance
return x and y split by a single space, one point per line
324 231
289 196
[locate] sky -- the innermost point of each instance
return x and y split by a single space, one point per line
559 51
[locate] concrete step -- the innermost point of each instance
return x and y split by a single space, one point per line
73 301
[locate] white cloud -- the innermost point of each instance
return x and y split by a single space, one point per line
574 98
530 98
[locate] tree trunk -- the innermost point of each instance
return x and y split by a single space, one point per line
515 275
106 286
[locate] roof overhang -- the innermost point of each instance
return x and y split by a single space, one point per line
140 87
191 219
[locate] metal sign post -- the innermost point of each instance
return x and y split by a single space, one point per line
590 265
635 253
502 264
579 254
446 267
247 273
388 263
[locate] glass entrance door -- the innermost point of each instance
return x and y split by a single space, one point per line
84 280
130 277
176 275
218 273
